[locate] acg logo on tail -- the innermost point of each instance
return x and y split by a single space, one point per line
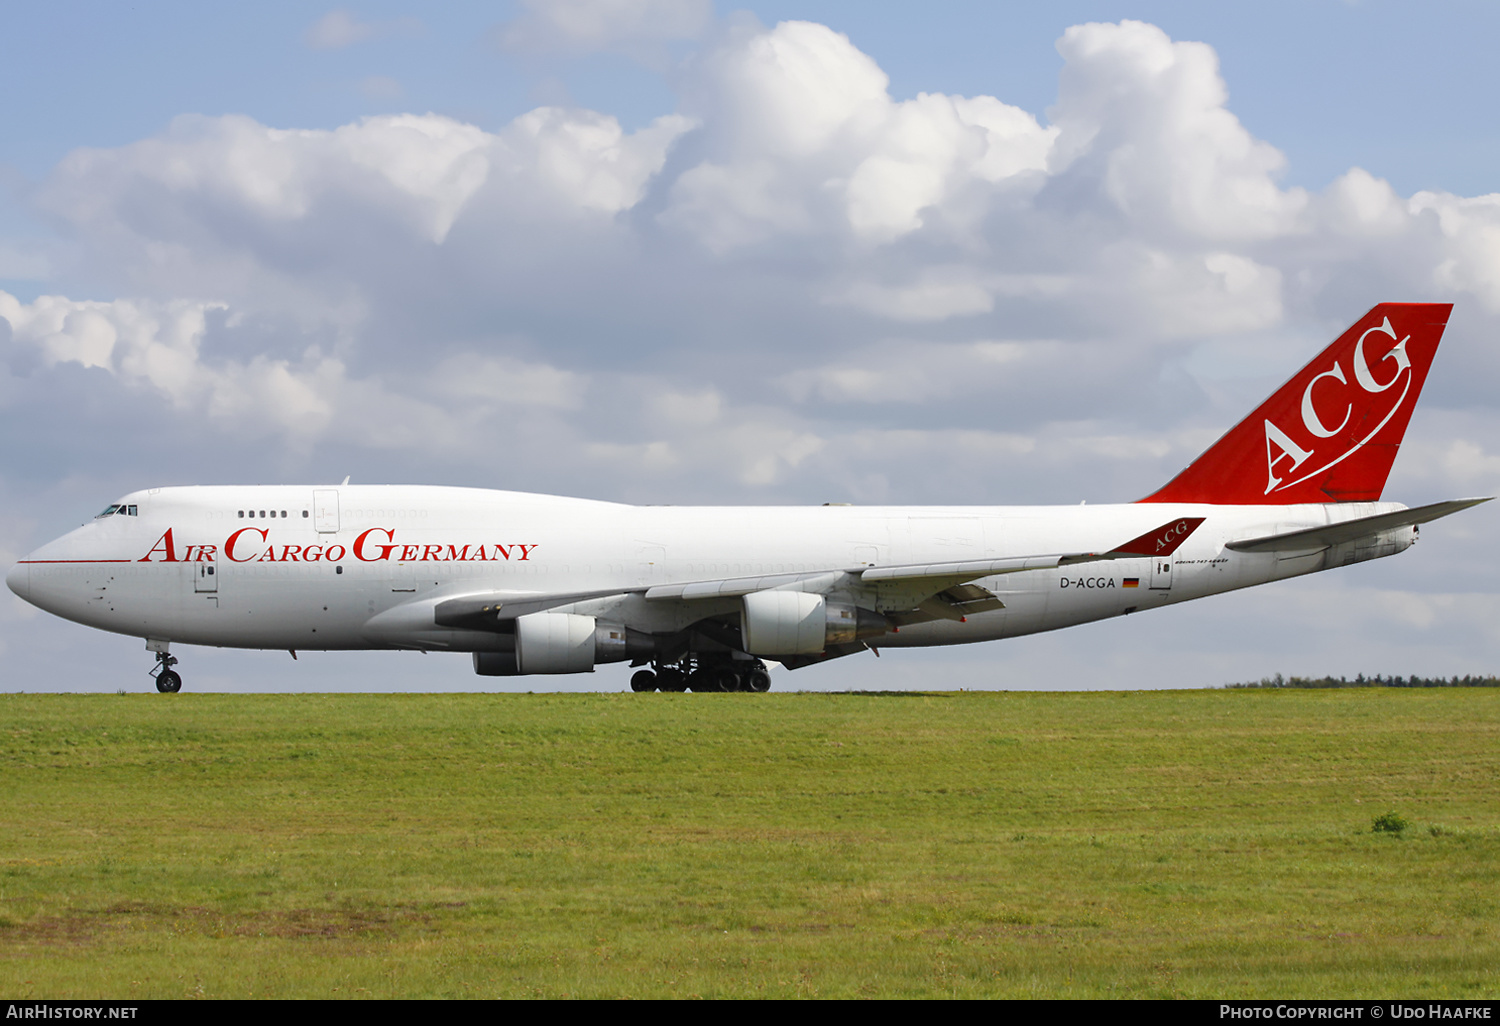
1321 417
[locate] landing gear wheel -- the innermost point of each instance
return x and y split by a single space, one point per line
671 680
758 680
643 680
726 680
167 680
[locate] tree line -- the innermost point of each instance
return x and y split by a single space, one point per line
1377 681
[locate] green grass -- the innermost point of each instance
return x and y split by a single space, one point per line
1201 844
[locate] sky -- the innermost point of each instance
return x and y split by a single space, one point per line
672 251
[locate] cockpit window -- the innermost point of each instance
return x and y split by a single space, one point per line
118 509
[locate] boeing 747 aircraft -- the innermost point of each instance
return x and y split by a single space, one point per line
700 597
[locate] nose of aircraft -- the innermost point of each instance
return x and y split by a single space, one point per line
18 579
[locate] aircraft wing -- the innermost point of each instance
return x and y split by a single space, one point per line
931 591
915 592
1161 542
733 587
970 569
1350 530
484 610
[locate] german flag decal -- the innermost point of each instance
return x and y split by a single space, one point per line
1132 582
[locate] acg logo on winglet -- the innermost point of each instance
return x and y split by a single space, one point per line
1168 538
1321 417
1163 541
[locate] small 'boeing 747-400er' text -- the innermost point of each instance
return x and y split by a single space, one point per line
700 597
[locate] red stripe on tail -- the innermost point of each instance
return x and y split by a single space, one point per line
1331 433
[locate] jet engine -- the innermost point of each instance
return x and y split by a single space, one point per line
562 643
797 623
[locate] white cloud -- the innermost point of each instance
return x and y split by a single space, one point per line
1199 294
793 288
501 381
1471 231
337 29
586 159
308 221
341 27
1358 203
589 26
805 137
806 213
1465 460
938 294
1145 117
417 169
914 371
158 346
695 408
382 88
24 262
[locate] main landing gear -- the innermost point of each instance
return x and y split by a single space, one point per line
698 673
168 681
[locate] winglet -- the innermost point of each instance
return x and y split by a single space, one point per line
1163 541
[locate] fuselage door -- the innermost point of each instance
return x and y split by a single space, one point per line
1161 572
206 581
326 510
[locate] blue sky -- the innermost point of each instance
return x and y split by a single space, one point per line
670 252
1400 87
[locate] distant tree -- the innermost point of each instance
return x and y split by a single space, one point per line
1377 681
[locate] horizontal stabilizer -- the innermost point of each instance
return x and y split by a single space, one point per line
1350 530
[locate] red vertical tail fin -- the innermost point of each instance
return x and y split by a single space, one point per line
1330 434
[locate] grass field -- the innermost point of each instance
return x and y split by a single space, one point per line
1151 844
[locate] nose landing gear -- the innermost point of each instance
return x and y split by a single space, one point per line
168 681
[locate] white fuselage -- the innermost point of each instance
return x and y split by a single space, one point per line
360 567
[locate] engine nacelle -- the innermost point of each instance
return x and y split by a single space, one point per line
563 643
784 623
555 643
495 664
795 623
